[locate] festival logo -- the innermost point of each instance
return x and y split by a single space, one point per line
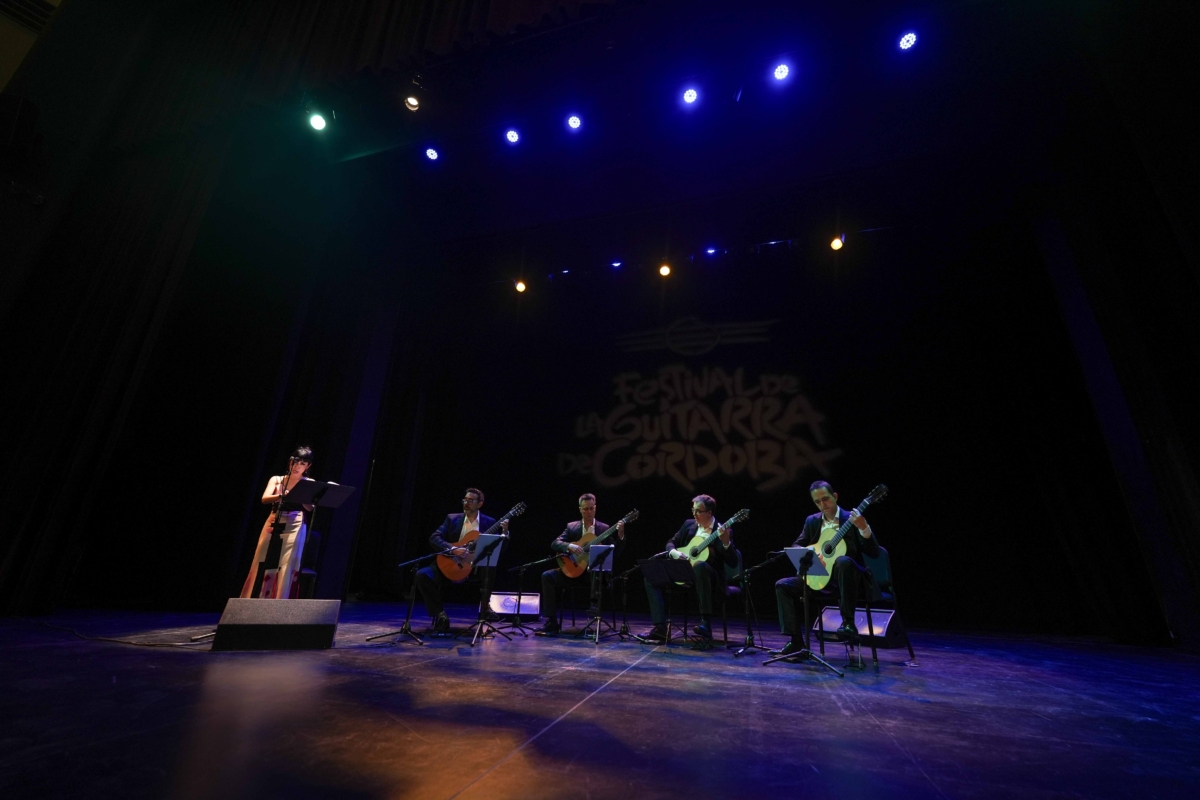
686 425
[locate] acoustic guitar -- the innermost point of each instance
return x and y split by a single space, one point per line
698 548
574 564
832 544
458 567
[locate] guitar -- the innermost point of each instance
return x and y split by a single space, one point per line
458 567
831 546
698 548
574 564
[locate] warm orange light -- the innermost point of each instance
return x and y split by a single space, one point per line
664 270
520 286
836 244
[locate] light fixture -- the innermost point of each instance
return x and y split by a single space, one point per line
520 286
781 72
837 243
431 154
908 40
512 136
574 122
711 250
690 96
412 103
317 121
664 270
616 264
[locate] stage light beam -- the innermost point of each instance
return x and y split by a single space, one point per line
317 121
908 40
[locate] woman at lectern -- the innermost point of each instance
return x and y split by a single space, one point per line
291 521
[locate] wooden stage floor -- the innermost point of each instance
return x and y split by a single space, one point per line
982 716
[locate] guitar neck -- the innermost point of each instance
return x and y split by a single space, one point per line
848 524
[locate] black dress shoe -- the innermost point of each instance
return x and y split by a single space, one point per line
791 648
441 624
549 629
656 634
703 630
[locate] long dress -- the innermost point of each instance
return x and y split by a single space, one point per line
281 583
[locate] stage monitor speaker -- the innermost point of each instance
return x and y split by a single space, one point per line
254 624
506 603
889 630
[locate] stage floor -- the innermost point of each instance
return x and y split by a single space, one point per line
981 716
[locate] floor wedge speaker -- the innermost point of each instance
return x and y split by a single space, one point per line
889 630
254 624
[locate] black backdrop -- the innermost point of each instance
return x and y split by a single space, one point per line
1006 352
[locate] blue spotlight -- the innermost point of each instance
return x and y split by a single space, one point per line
616 264
574 122
512 136
317 121
781 72
690 96
711 250
431 154
908 40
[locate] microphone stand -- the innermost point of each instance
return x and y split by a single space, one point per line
806 654
748 645
406 628
516 625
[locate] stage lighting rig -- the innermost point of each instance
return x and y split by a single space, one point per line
690 96
573 122
317 121
908 40
781 72
512 136
431 154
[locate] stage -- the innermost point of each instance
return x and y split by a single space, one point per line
981 716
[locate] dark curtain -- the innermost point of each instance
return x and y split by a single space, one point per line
94 287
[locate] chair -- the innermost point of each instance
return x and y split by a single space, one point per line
880 593
733 588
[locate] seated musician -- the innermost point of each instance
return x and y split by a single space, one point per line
554 579
710 574
430 580
846 573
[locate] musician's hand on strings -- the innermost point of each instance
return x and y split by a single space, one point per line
574 548
726 534
504 526
860 522
621 529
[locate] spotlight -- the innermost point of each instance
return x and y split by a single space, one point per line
520 286
412 103
781 72
512 136
837 243
431 154
907 40
317 121
664 270
616 264
690 96
711 250
574 122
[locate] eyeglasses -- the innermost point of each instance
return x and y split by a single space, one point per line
699 511
472 500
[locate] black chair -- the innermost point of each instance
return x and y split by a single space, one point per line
879 593
733 589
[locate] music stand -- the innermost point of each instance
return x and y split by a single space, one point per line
803 558
406 628
486 555
599 562
305 493
666 574
748 645
516 625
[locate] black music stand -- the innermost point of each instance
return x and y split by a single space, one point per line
805 654
667 574
597 566
748 645
516 625
307 493
406 628
623 632
482 628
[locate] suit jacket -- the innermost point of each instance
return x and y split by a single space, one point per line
856 545
450 531
718 553
574 532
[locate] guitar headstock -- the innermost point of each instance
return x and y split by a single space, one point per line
744 514
631 516
877 494
516 511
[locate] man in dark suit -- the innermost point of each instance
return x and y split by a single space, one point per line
430 580
710 574
554 579
847 573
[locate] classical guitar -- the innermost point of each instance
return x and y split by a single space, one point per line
698 548
458 567
832 544
574 564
